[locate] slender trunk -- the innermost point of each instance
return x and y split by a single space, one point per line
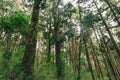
59 66
80 46
100 68
3 41
79 57
49 46
74 54
88 58
97 64
70 53
102 49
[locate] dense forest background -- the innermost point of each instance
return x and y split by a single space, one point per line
59 39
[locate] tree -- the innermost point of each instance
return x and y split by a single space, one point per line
57 41
27 65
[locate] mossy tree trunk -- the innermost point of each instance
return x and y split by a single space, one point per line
27 65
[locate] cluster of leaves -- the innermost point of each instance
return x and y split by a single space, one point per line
16 22
90 19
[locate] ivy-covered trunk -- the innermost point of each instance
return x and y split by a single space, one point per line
27 65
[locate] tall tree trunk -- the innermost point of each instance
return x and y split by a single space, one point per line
59 66
48 43
102 49
79 57
49 21
27 65
96 61
80 46
74 53
100 68
88 58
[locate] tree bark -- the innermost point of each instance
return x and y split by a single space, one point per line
88 58
96 61
59 66
27 65
79 57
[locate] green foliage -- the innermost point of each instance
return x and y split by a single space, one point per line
88 23
45 71
10 68
6 55
6 25
20 22
89 20
16 22
69 9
